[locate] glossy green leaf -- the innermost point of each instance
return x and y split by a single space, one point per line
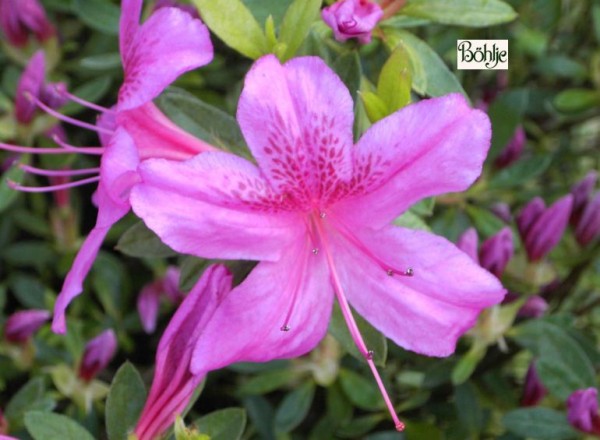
124 403
225 424
486 222
50 426
139 241
374 339
296 24
294 407
266 382
539 423
375 107
362 391
101 15
233 23
475 13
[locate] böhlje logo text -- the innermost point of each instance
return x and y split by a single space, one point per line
482 54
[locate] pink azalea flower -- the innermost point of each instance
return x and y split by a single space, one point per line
20 326
20 18
317 212
97 354
154 54
174 383
352 19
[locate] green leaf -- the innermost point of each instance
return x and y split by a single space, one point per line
561 363
124 403
50 426
474 13
576 100
203 120
105 61
101 15
139 241
348 68
468 407
394 83
375 107
539 423
233 23
374 340
294 407
7 194
361 426
225 424
32 396
267 382
522 171
296 24
261 9
430 75
361 391
412 221
485 221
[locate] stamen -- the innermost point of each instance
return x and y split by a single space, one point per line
58 173
315 251
297 281
72 148
34 150
353 328
64 118
40 189
82 101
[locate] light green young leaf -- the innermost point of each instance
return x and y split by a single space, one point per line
296 24
474 13
233 23
394 84
375 107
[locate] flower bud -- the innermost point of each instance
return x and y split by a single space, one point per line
588 225
502 211
352 19
513 150
20 326
20 18
534 307
496 251
468 243
582 411
581 192
148 302
98 354
533 389
541 228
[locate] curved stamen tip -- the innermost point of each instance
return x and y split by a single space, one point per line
11 184
370 354
409 272
400 426
315 251
285 328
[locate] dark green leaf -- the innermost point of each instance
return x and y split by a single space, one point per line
124 403
266 382
539 423
522 171
359 426
32 396
361 391
347 66
261 9
50 426
139 241
294 407
577 100
7 194
261 413
475 13
225 424
468 407
101 15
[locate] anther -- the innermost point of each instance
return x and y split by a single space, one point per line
390 272
315 251
370 354
409 272
400 426
322 214
285 328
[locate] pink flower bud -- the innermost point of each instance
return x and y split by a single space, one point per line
541 228
20 326
352 19
171 285
20 18
513 150
588 225
533 389
98 354
502 211
582 411
581 192
534 307
496 251
148 303
468 243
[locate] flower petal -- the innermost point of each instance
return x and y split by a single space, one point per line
297 120
432 147
108 214
118 169
129 22
168 44
247 326
427 312
215 205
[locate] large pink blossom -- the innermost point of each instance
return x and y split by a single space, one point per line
317 212
154 54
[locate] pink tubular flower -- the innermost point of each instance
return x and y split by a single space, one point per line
541 228
582 407
533 390
20 18
154 54
97 354
317 212
173 383
352 19
148 301
20 326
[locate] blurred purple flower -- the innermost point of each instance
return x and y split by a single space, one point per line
581 192
535 307
495 252
352 19
32 85
174 384
20 326
148 302
541 228
20 18
588 225
582 411
97 354
513 150
533 389
468 242
502 211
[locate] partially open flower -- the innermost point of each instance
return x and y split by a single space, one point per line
582 408
352 19
98 354
20 326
